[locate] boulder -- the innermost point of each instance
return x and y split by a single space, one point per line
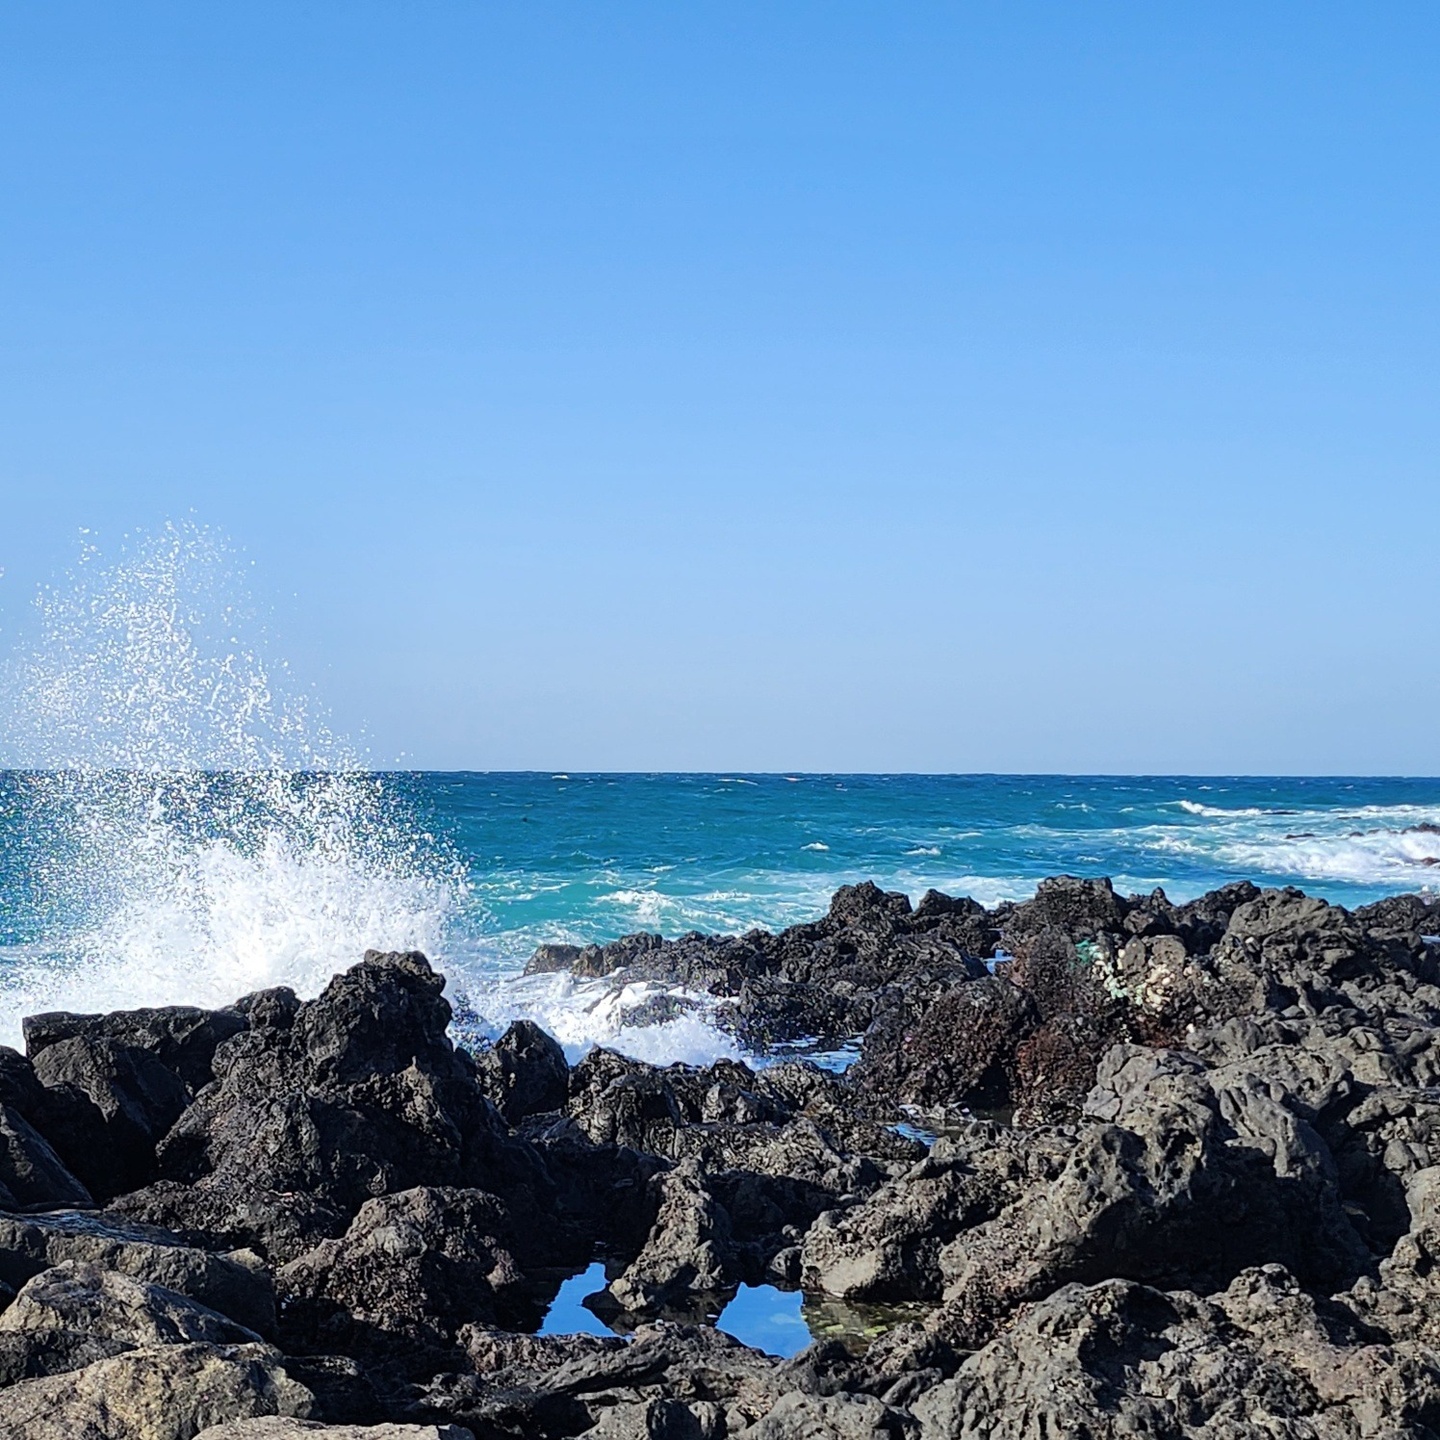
1122 1360
180 1037
107 1106
690 1251
221 1214
162 1392
362 1094
1175 1181
524 1072
241 1291
71 1315
31 1173
410 1271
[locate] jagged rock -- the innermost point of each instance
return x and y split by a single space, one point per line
216 1215
1124 1360
241 1291
829 1417
107 1106
74 1314
180 1037
888 1248
724 1384
524 1072
362 1094
163 1392
1186 1184
411 1270
690 1250
1081 909
31 1173
959 1049
826 979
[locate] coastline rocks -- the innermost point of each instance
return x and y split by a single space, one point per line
215 1214
412 1268
690 1250
108 1104
1183 1184
180 1037
164 1392
273 1427
355 1094
524 1072
74 1314
1201 1194
1122 1359
826 979
33 1243
31 1173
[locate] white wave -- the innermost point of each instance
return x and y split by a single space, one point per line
815 845
582 1014
924 850
1216 812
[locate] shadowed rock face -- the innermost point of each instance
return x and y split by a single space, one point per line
1217 1215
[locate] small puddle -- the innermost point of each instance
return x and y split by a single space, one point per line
779 1322
567 1315
767 1319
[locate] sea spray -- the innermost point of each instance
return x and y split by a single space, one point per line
182 825
189 828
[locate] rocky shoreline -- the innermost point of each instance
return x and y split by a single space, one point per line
1119 1167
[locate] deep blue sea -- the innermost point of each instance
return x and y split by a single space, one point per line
133 889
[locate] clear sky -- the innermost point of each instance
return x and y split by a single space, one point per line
760 386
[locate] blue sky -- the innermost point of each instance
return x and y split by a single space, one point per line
829 386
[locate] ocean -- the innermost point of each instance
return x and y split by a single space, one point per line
132 887
181 825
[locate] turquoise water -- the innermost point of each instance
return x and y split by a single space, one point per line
197 888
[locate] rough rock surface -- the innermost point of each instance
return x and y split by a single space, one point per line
164 1392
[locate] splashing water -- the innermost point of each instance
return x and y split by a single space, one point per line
186 828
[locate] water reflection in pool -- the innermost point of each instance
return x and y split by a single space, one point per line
779 1322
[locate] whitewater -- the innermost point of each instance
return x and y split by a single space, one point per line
179 824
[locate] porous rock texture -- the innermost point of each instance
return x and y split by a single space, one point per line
1119 1167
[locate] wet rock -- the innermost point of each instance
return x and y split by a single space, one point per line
524 1072
361 1095
164 1392
958 1050
724 1384
240 1291
818 980
690 1250
1081 909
